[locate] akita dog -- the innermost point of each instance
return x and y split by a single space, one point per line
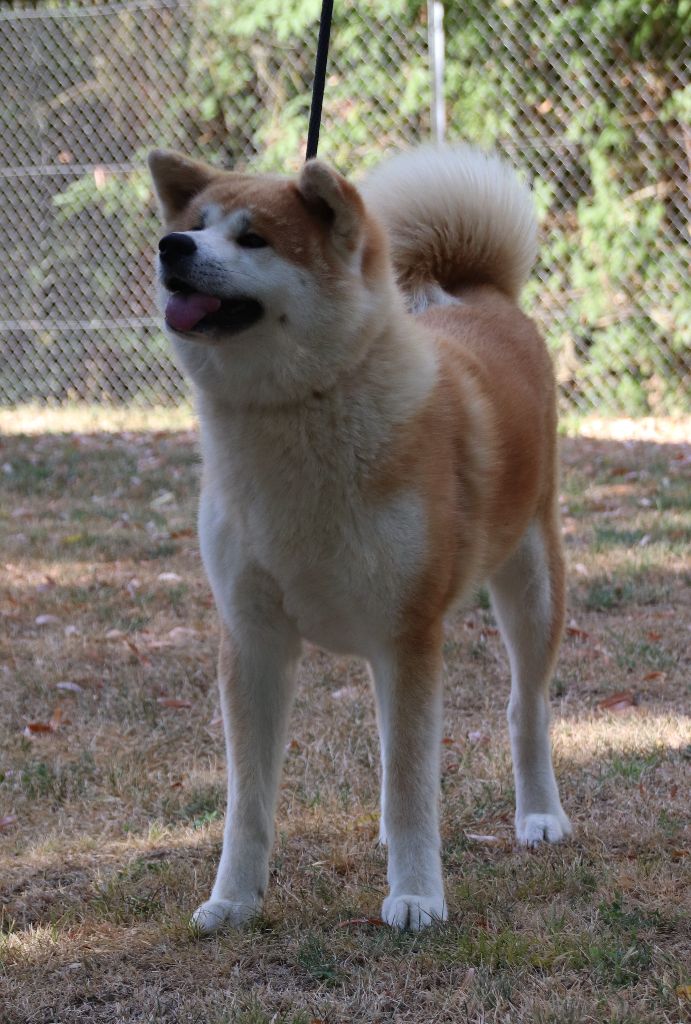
378 431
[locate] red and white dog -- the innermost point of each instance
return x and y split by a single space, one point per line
378 431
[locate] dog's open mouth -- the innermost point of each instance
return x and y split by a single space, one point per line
189 310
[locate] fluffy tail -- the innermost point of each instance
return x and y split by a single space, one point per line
455 217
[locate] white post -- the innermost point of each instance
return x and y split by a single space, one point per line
435 37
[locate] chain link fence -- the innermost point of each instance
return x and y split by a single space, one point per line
591 102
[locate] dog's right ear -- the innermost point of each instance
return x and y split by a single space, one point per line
335 202
177 180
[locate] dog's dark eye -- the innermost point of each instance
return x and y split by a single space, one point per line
251 241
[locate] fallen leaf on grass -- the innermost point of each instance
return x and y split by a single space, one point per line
683 991
345 693
73 538
479 738
653 675
477 838
47 620
575 631
33 728
173 702
181 633
68 685
653 636
41 728
57 718
618 702
374 922
8 821
169 577
600 652
164 498
139 655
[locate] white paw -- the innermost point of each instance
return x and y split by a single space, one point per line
413 912
533 829
213 914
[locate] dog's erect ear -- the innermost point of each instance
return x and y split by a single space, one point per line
177 179
333 200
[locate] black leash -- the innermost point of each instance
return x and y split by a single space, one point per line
319 79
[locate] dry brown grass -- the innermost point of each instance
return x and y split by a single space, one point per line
118 812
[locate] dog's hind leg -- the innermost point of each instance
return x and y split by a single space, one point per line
528 599
407 682
257 668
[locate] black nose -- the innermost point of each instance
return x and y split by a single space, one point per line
177 244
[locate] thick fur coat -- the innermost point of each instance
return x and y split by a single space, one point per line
378 431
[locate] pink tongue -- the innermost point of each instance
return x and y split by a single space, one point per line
183 312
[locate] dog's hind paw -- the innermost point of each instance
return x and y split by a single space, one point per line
214 914
413 912
533 829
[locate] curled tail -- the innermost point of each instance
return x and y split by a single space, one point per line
455 217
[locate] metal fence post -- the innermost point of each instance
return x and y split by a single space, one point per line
435 35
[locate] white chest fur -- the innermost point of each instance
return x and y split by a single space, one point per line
291 493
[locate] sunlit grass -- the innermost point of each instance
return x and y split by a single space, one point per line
92 419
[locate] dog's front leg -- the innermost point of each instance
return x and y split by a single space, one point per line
257 668
407 680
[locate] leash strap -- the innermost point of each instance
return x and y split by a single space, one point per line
319 79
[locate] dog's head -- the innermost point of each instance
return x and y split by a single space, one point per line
271 288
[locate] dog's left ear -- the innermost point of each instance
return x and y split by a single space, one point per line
334 201
177 180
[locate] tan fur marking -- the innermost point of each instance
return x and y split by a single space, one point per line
492 341
281 215
477 454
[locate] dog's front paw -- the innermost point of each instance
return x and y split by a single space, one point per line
214 914
533 829
413 912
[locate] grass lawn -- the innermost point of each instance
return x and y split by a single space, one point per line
112 769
